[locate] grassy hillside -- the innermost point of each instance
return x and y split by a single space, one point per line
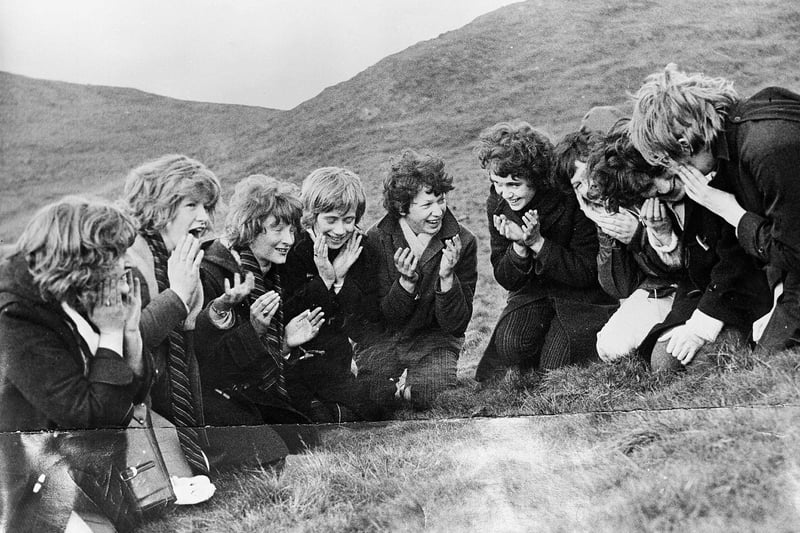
544 61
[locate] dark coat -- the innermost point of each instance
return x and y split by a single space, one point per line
235 357
43 381
326 376
758 158
565 267
46 384
231 362
563 275
346 312
733 295
418 323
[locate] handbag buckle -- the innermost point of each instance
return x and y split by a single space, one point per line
133 471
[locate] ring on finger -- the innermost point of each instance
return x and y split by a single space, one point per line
108 301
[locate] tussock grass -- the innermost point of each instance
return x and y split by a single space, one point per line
724 469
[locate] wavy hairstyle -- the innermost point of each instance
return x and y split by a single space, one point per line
334 189
154 190
517 149
619 171
672 105
254 199
409 174
72 244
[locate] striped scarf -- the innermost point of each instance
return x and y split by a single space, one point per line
182 400
273 375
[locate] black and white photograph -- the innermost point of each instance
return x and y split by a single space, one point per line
399 266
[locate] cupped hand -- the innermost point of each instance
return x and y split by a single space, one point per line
621 226
697 188
109 311
654 216
406 264
451 253
324 265
263 310
183 267
347 257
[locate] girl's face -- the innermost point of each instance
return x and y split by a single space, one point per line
272 245
192 217
517 193
337 227
426 212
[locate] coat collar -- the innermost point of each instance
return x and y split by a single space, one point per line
15 278
450 228
218 254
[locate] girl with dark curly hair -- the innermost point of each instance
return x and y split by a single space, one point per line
543 252
427 272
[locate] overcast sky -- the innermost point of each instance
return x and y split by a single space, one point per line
271 53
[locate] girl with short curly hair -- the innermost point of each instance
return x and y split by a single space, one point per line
427 272
543 253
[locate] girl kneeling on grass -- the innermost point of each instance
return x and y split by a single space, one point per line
426 281
544 253
332 268
245 343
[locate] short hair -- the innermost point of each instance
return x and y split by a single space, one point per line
619 172
517 149
574 146
71 245
410 173
332 189
154 190
672 104
254 199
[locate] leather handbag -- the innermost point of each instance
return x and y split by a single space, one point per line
146 473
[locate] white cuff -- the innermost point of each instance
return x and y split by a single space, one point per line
704 326
112 341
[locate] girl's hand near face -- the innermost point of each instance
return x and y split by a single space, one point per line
324 265
132 338
109 311
654 216
347 257
183 268
719 202
620 226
